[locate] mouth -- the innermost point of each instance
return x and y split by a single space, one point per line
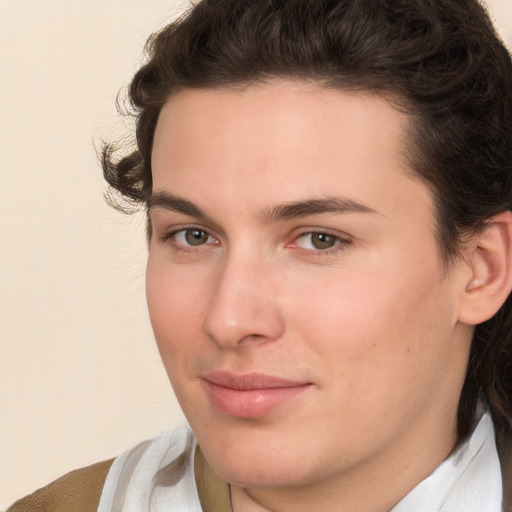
250 395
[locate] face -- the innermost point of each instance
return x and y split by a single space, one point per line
295 285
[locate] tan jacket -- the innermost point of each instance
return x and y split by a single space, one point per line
80 490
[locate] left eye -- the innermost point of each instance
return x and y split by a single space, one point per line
318 241
193 237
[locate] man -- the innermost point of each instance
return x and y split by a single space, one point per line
328 192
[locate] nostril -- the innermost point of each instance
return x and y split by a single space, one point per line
231 324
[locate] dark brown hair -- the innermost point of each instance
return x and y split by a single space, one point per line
439 59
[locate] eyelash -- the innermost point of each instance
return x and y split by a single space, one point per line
339 243
171 238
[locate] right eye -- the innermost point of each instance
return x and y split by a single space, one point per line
191 237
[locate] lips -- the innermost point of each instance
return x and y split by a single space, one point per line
250 395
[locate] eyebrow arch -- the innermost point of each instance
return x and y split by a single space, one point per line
177 204
308 207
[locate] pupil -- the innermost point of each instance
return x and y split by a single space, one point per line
196 236
322 240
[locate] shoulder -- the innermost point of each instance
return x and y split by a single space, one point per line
169 469
77 491
165 457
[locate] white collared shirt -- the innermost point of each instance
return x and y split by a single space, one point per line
469 480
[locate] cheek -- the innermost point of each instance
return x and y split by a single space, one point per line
379 330
175 303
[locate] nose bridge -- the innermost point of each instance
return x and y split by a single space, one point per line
244 305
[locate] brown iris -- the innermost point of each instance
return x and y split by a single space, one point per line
196 236
322 241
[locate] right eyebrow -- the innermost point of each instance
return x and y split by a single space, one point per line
177 204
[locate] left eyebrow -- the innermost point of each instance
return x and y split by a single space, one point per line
337 205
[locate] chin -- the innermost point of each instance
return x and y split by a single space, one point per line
257 463
258 472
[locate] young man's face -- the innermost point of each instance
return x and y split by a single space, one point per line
296 288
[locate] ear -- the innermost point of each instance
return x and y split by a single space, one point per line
490 276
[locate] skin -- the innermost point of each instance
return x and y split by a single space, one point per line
370 320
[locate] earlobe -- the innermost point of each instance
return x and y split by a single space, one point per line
490 263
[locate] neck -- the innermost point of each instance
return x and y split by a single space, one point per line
374 486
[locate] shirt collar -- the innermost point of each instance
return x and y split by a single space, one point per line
469 479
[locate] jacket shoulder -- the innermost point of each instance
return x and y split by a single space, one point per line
77 491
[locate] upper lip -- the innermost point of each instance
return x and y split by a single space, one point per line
250 381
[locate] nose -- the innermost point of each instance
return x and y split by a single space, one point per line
244 306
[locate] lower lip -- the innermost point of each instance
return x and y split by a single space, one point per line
253 403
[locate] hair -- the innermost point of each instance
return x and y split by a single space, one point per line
439 60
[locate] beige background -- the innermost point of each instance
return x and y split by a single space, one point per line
80 378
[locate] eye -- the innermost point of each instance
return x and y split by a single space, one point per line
192 237
320 241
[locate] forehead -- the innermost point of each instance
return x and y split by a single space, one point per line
277 114
282 141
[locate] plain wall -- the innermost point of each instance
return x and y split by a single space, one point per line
80 377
